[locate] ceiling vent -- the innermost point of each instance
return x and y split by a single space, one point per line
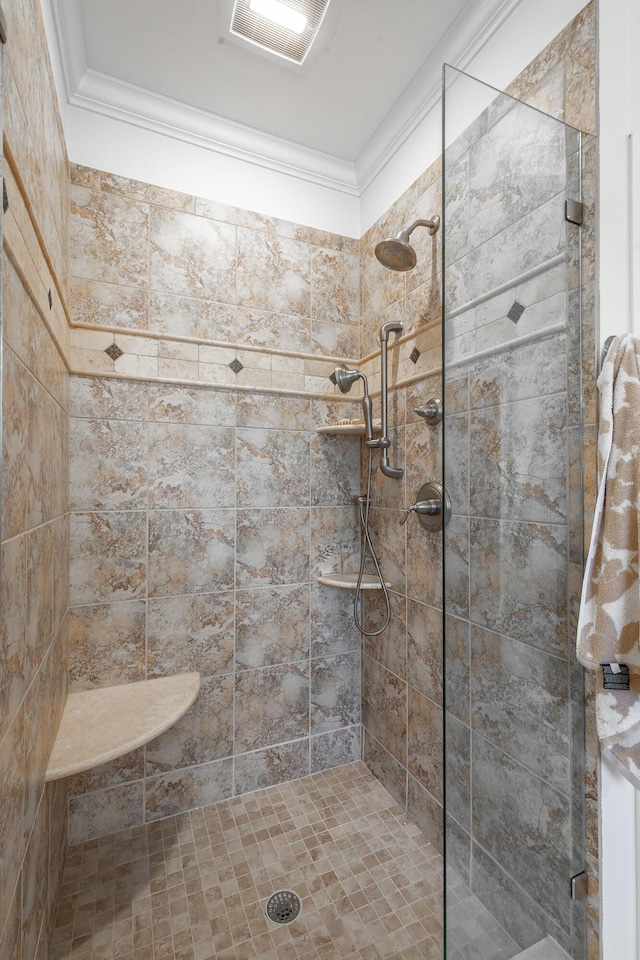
284 27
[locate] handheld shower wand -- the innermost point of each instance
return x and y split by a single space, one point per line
345 378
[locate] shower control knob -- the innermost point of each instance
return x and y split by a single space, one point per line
432 506
431 411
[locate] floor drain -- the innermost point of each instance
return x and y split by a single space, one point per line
283 906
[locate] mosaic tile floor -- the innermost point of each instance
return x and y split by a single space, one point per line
194 887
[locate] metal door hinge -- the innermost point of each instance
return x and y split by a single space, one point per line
574 211
580 886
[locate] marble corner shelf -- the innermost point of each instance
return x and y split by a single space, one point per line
349 581
347 429
104 723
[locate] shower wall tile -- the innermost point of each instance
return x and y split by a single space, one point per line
123 769
108 399
384 708
204 733
108 556
263 768
335 692
331 621
107 644
272 547
335 286
190 256
190 466
184 790
335 748
335 470
541 816
425 742
108 238
334 540
457 771
174 403
425 810
190 633
104 474
388 648
391 774
105 811
190 551
262 255
518 582
272 705
272 468
519 703
109 304
272 626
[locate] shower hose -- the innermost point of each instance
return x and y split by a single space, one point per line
367 545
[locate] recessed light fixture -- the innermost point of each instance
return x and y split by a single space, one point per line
280 13
286 28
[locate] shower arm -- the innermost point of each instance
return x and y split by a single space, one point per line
384 442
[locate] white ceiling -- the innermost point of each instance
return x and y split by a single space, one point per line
365 55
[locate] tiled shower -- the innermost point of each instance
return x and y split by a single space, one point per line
201 503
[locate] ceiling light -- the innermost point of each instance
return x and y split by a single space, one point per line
285 29
279 13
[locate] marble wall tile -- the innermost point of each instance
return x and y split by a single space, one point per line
105 811
391 774
272 706
335 692
540 814
335 470
15 451
272 626
190 633
109 304
263 768
269 411
426 812
532 370
184 790
174 403
275 331
424 564
335 286
389 648
184 316
273 273
457 668
384 706
107 644
334 339
272 547
519 460
334 540
331 621
425 742
389 541
505 597
190 551
122 770
108 238
519 701
39 584
108 399
13 630
272 468
204 733
108 556
34 883
12 809
457 771
108 464
190 466
45 456
335 748
190 256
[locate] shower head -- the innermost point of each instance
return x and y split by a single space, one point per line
345 378
396 253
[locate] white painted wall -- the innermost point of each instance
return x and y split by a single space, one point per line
517 30
619 108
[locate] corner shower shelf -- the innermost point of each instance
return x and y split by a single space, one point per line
347 429
349 581
102 724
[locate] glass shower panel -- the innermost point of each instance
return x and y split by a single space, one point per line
514 715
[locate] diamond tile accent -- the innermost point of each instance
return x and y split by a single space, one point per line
414 355
516 311
114 351
236 366
333 379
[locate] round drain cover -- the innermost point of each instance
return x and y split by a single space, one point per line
283 906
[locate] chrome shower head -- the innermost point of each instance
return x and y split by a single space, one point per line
396 253
345 378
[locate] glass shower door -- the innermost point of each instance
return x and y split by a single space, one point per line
513 699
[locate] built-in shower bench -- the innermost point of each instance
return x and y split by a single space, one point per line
105 723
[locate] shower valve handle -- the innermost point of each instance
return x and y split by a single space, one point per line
426 508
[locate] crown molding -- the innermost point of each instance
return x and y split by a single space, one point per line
131 104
